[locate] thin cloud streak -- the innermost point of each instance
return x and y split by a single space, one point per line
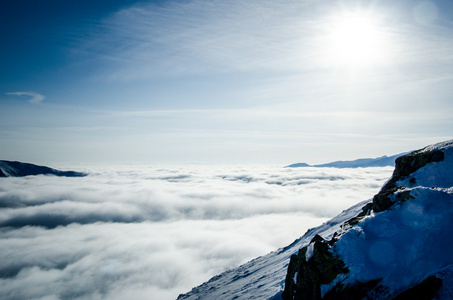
260 112
34 97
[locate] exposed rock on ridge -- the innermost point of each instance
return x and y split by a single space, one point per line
404 167
313 266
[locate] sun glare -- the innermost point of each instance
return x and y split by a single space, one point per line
354 39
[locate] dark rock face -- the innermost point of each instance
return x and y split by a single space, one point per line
408 164
357 291
404 166
305 277
426 290
19 169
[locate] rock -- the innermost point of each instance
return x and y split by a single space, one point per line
426 290
305 276
404 166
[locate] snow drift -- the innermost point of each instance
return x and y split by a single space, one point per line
394 246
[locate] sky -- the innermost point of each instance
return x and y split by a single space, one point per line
149 232
198 81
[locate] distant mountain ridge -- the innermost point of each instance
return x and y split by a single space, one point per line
396 245
20 169
383 161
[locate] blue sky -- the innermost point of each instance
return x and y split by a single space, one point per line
223 81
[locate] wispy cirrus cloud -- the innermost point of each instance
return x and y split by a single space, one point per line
147 40
33 97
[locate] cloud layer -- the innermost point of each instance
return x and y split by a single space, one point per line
155 232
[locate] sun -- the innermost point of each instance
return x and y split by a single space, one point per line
354 39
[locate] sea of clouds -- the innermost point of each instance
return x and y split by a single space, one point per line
152 232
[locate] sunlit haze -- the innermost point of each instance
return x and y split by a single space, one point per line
356 40
223 81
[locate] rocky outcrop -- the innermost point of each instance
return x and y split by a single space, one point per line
313 266
20 169
317 271
404 167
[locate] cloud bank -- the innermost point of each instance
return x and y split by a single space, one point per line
154 232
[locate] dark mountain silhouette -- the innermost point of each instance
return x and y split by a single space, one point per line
383 161
20 169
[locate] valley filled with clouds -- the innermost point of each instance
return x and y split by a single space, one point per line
149 232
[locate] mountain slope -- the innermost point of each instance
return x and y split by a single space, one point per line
394 246
264 277
19 169
383 161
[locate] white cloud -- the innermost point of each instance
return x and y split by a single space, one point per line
154 232
34 97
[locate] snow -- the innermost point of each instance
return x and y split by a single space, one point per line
309 252
7 170
410 241
446 145
327 287
436 174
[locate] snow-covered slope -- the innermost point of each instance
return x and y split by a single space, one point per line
19 169
264 277
393 246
